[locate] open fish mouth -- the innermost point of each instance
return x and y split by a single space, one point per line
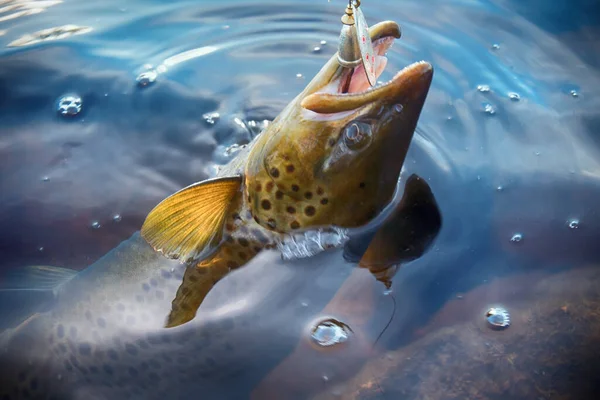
351 89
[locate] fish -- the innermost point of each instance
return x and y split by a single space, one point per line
330 159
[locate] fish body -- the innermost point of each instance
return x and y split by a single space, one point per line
331 158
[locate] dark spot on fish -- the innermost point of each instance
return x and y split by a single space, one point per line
185 290
362 185
108 369
331 142
269 186
133 372
256 219
236 216
244 229
60 331
139 298
265 204
274 172
310 211
165 274
279 195
271 222
112 354
289 168
229 227
193 278
22 375
229 239
258 187
131 349
142 344
73 332
257 248
153 376
294 225
244 242
291 210
145 287
324 200
85 349
120 307
228 346
232 264
154 363
320 191
308 195
295 188
88 315
33 384
167 358
160 294
153 282
249 199
210 361
243 255
94 369
101 322
62 347
68 366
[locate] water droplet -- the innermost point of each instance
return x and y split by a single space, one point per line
497 318
500 188
574 93
516 238
316 49
398 108
489 109
330 332
41 248
483 88
146 78
69 105
574 224
514 96
117 218
96 225
45 179
323 42
449 118
211 118
495 46
325 378
299 76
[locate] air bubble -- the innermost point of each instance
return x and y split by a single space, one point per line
483 88
299 76
500 188
95 225
497 318
323 42
69 105
574 224
516 238
316 49
398 108
41 248
45 179
211 118
514 96
574 93
146 78
489 109
117 218
495 46
325 378
330 332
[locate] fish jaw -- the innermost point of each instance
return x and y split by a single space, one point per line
334 155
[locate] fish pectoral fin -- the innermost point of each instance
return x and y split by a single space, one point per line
185 223
29 290
197 283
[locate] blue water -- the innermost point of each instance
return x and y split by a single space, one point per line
507 141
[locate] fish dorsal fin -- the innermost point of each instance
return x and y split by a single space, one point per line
190 221
36 277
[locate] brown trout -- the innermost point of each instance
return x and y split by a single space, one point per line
332 158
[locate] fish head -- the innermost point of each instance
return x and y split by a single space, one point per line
334 155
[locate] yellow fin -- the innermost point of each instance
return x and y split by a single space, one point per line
185 223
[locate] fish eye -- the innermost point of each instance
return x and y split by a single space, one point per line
357 135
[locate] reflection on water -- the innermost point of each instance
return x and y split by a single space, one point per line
506 143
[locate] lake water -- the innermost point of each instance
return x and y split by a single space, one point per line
161 90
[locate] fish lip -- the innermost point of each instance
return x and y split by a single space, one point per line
415 77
